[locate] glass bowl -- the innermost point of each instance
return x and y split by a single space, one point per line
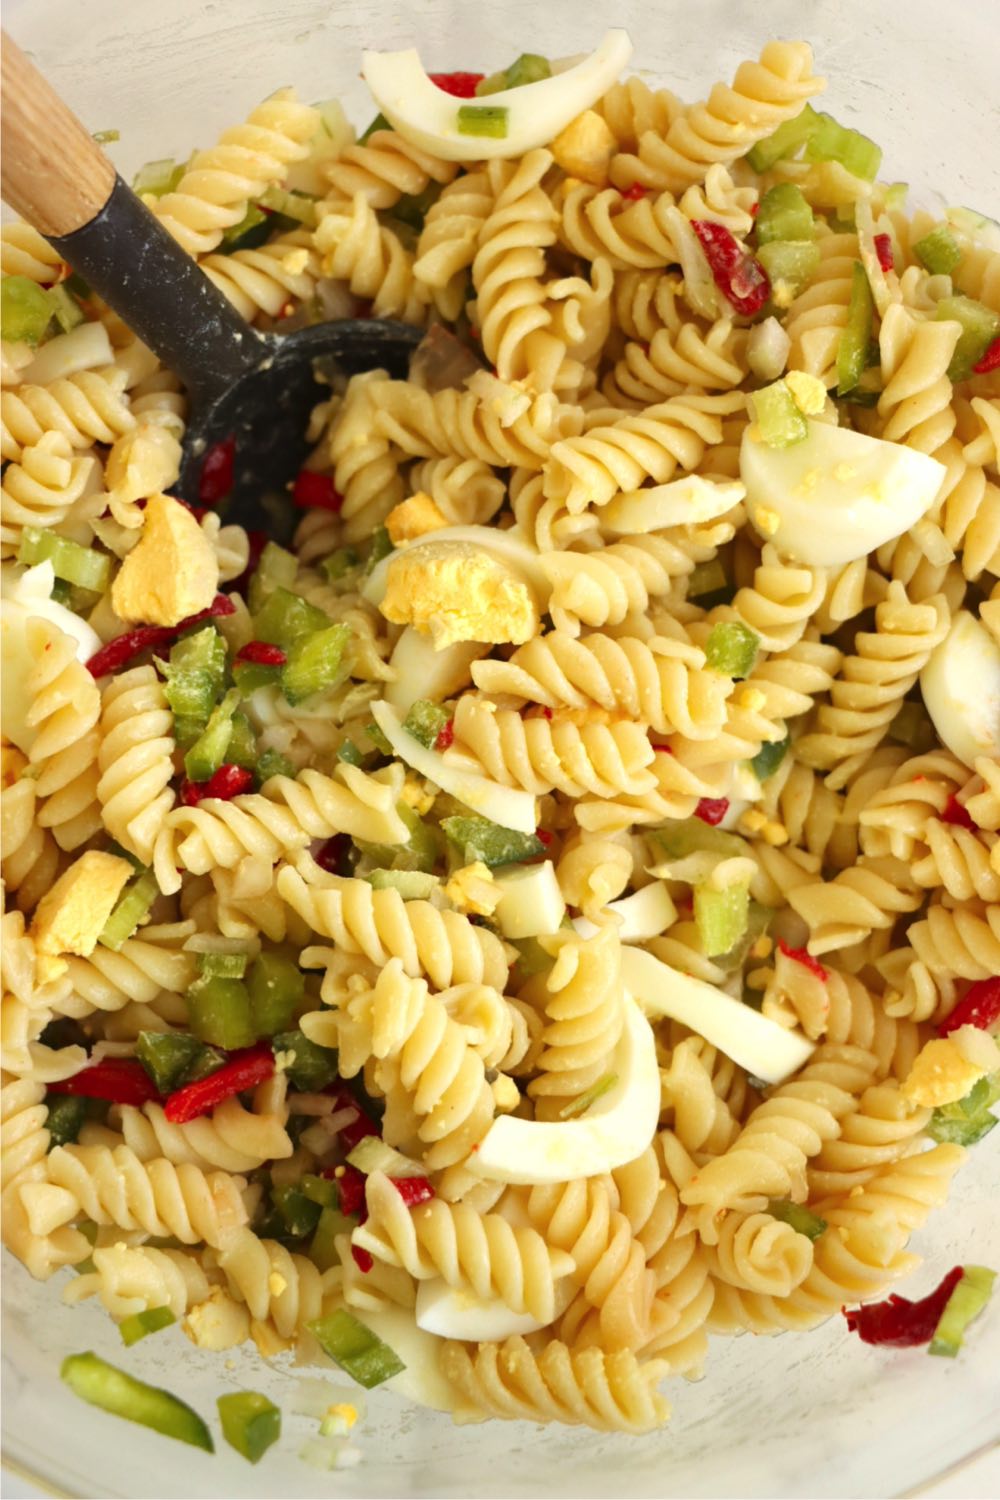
818 1414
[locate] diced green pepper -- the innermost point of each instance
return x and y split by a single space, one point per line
222 965
356 1349
250 1423
532 957
299 1213
784 141
285 618
339 564
312 1067
26 310
64 1119
912 726
425 721
852 352
938 251
583 1102
277 568
968 1120
273 763
94 1380
208 752
242 749
732 648
980 326
830 141
769 757
322 1248
320 1190
377 738
479 839
219 1011
493 83
173 1058
780 421
316 663
684 836
195 676
802 1220
276 988
720 917
131 907
141 1324
83 566
349 753
252 230
489 120
789 265
783 214
420 852
530 67
68 312
381 546
251 675
412 885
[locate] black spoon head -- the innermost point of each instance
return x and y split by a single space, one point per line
266 411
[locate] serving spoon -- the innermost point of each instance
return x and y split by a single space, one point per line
256 388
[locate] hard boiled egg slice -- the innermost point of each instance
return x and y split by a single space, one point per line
422 1380
961 688
508 547
506 805
764 1048
423 671
24 595
836 495
427 116
619 1126
683 502
644 914
455 1313
531 903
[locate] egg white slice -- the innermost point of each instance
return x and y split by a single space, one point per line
961 689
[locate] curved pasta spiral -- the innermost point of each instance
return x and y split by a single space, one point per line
701 1119
781 601
450 236
26 1141
593 870
219 183
484 1252
132 1278
944 946
597 222
139 971
758 1253
231 1137
607 586
136 760
895 819
866 898
960 861
266 279
983 806
881 1129
279 1287
89 407
608 1392
458 424
30 853
357 249
631 107
915 405
674 363
584 1003
42 488
24 252
818 313
386 168
365 464
465 490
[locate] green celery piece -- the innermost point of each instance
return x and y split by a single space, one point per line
532 958
789 264
912 727
26 310
583 1102
381 546
684 836
170 1056
277 568
312 1067
250 1423
321 1190
721 917
299 207
219 1012
783 214
412 885
852 353
316 663
356 1349
157 177
530 67
132 905
242 750
379 123
208 752
299 1213
769 757
780 421
938 251
222 965
251 675
758 920
83 566
966 1302
785 141
141 1324
349 753
285 618
732 647
377 738
64 1119
68 312
195 676
425 721
105 137
706 578
94 1380
252 230
479 839
322 1248
276 989
802 1220
831 141
273 763
420 852
980 326
493 83
339 564
968 1120
486 120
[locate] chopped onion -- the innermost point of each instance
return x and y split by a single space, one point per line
372 1154
767 349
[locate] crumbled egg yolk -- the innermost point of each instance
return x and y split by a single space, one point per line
217 1323
766 520
295 261
585 147
341 1415
457 592
171 572
946 1068
414 518
71 916
752 699
473 890
276 1284
418 794
506 1094
808 393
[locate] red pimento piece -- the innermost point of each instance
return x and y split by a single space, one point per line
712 810
740 278
315 492
884 251
543 836
198 511
262 654
332 853
459 85
216 478
446 737
990 360
802 957
900 1323
955 812
979 1006
120 651
122 1080
635 192
413 1190
663 750
244 1070
755 209
356 1131
229 781
350 1186
362 1259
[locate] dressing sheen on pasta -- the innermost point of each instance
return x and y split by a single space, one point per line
516 912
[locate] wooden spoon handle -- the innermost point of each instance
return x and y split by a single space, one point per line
53 173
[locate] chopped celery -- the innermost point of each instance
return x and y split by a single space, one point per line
686 836
483 120
285 618
980 326
157 177
912 727
706 578
222 965
789 265
783 214
250 1423
758 920
381 546
173 1058
379 123
769 757
84 566
966 1302
208 752
252 230
780 421
532 957
479 839
320 1190
141 1324
276 990
133 904
273 763
412 885
219 1011
377 738
64 1119
373 1154
339 564
26 310
732 648
105 137
195 676
830 141
291 205
299 1213
68 312
323 1245
311 1067
530 67
349 753
425 721
583 1102
802 1219
493 83
242 749
720 917
968 1120
104 1385
356 1349
420 852
852 353
277 568
785 141
251 675
316 663
938 251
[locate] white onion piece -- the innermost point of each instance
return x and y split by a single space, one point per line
768 348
